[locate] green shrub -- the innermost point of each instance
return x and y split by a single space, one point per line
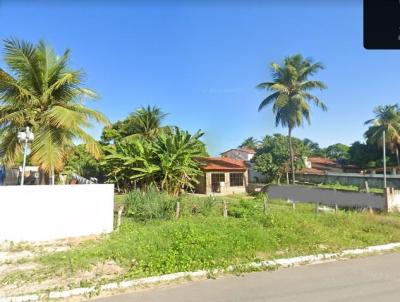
149 204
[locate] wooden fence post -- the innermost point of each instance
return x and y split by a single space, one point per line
225 209
336 208
120 210
178 209
317 207
366 186
265 203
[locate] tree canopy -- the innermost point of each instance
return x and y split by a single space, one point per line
250 143
387 118
168 161
145 122
272 157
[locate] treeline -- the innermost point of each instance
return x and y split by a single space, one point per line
273 156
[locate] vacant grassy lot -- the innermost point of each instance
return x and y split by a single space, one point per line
203 239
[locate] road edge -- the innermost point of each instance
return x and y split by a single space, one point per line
284 262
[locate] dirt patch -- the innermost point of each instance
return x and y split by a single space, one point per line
20 279
20 274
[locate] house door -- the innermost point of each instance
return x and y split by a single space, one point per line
216 179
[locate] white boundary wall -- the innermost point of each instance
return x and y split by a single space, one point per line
40 213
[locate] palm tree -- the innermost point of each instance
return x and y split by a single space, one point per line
42 92
250 143
387 118
290 96
145 122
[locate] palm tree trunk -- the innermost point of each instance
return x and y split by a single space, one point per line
397 155
52 176
291 154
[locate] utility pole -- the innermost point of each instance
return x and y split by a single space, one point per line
384 158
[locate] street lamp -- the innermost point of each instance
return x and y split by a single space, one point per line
24 137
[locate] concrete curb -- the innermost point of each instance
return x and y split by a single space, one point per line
284 262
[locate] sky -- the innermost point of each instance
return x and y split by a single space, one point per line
201 61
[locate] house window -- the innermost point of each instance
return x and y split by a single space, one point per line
236 179
216 179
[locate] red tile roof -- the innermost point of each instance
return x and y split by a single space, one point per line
310 171
221 164
321 160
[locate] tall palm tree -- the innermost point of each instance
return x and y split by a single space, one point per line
250 143
386 118
290 97
42 92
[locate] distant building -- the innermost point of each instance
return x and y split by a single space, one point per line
247 155
222 176
322 165
12 176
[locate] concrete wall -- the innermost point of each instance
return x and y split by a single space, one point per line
346 199
392 202
354 179
255 176
40 213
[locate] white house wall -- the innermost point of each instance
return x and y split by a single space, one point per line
40 213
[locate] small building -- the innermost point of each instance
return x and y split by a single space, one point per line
222 175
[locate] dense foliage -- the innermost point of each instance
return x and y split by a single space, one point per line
81 162
273 156
167 161
337 151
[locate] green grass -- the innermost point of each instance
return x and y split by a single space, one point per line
119 198
205 240
347 188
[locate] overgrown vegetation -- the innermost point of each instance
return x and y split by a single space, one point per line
151 241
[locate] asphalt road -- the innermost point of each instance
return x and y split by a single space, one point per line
375 278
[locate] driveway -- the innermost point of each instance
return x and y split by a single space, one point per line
374 278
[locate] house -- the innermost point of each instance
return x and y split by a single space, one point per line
246 155
322 165
222 175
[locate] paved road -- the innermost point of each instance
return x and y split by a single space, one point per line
375 278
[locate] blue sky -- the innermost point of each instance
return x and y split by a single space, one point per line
201 62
